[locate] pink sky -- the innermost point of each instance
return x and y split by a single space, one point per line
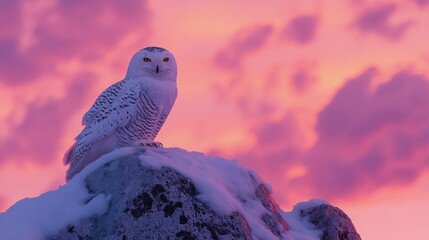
324 99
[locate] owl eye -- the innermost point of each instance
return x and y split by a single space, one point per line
166 59
147 59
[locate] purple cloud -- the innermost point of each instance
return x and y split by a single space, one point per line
301 29
340 117
37 137
81 29
366 139
355 113
421 3
243 44
301 80
90 28
376 138
377 21
10 18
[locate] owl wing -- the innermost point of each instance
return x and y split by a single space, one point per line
108 118
106 98
160 122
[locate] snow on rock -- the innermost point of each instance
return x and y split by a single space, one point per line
224 185
175 194
301 229
37 218
333 223
164 194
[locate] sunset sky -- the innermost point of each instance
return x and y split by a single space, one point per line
323 99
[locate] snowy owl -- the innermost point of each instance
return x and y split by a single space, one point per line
130 112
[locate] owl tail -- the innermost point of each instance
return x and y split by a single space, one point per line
69 153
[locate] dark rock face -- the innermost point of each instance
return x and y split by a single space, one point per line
161 204
273 219
334 223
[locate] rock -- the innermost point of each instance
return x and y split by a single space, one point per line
151 203
169 193
334 223
273 218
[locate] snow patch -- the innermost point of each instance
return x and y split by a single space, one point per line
43 216
309 204
300 228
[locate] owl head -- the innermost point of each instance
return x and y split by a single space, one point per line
155 62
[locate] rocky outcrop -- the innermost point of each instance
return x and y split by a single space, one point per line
168 193
150 203
334 223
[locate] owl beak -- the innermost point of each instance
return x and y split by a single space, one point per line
157 69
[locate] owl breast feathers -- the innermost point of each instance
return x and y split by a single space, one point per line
128 113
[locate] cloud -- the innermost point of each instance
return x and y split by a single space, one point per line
90 30
230 58
367 138
301 79
10 18
37 136
243 44
342 113
11 63
421 3
67 30
355 112
370 139
378 20
301 29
